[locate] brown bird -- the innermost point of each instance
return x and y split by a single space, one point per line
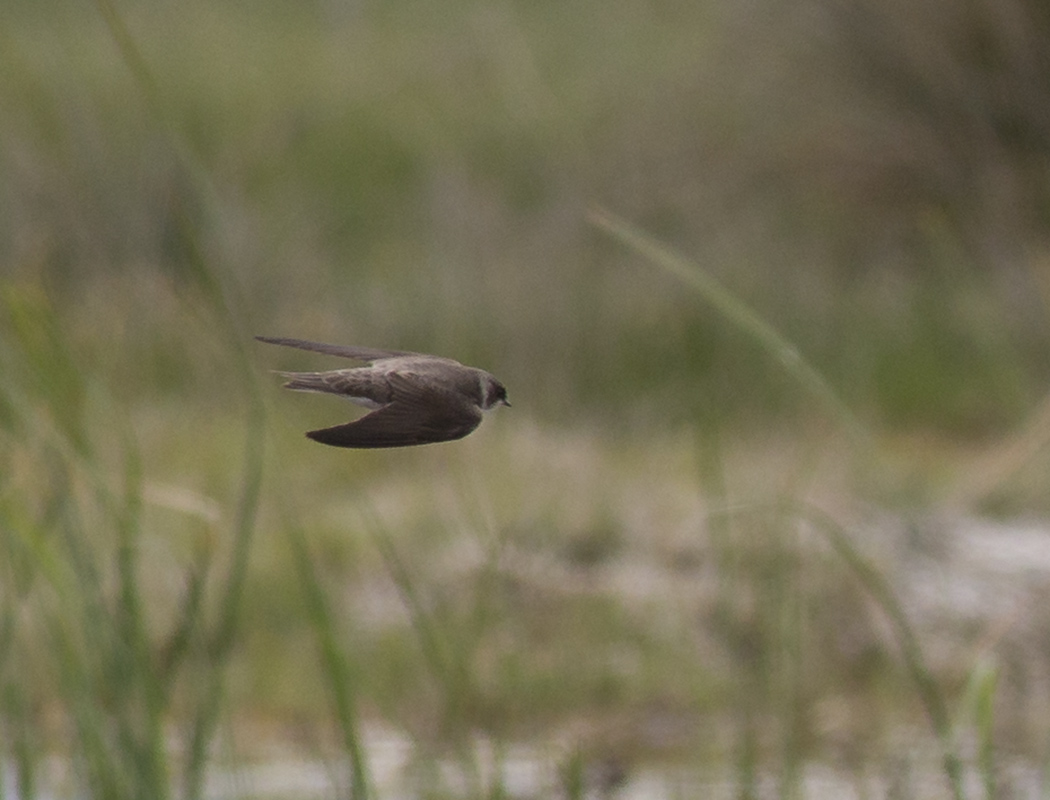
415 398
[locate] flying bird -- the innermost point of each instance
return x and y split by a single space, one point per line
415 398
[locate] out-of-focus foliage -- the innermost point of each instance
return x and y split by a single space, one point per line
868 178
871 175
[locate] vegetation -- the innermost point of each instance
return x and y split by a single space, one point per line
766 288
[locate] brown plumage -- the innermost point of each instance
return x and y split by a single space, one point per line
415 398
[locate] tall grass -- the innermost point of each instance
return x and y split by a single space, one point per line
867 573
78 608
338 668
368 190
78 618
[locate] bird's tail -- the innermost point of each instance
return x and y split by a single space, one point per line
307 382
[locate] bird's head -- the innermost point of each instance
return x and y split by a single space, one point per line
494 393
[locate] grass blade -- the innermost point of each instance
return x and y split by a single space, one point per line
907 640
337 668
741 316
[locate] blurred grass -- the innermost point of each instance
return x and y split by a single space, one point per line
392 157
83 630
611 567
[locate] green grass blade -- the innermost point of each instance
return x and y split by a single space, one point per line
221 641
906 637
428 632
740 315
337 668
978 705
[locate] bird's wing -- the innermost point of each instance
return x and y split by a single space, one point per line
415 416
366 354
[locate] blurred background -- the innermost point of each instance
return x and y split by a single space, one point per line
645 564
